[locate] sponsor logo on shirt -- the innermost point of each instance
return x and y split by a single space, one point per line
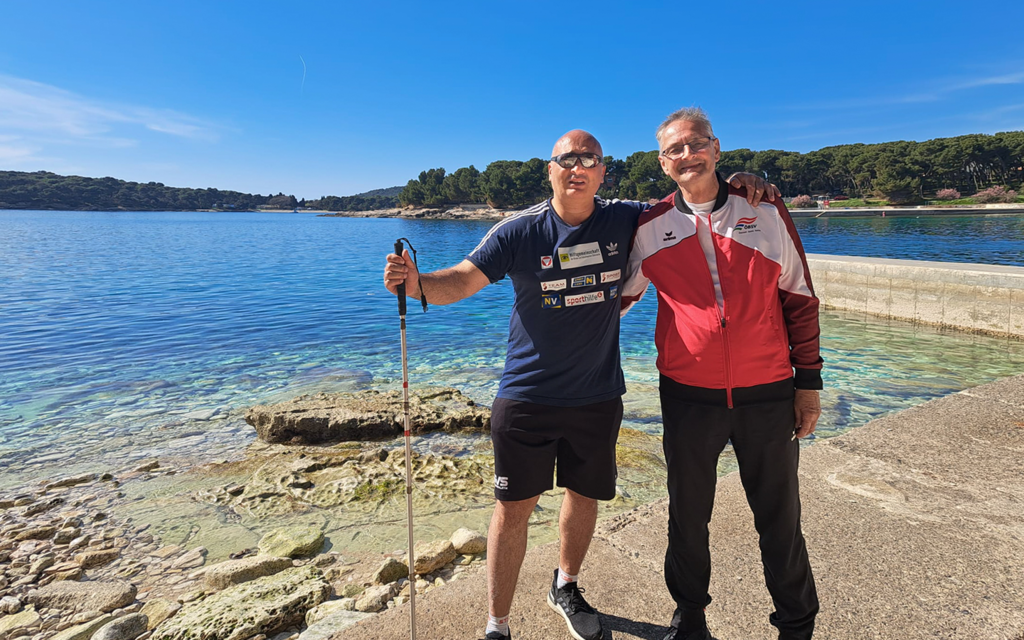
612 248
580 255
669 235
583 281
553 285
746 225
613 292
551 301
584 298
546 262
501 482
610 276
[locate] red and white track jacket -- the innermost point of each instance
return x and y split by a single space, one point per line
769 325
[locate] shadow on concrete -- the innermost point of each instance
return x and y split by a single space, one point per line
632 628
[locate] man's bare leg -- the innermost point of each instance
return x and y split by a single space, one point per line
576 528
506 548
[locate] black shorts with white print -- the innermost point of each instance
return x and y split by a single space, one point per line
529 438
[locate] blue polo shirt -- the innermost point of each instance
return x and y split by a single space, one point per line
563 336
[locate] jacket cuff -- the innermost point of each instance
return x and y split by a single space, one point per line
808 379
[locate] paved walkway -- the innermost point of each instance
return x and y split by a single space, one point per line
914 523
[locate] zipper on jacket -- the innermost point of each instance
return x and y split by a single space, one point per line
720 312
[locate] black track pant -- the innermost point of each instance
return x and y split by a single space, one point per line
698 424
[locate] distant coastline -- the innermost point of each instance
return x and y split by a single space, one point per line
486 213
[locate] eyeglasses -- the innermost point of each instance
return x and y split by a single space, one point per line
569 160
696 146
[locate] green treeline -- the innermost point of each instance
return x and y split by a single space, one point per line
504 184
900 172
376 199
45 190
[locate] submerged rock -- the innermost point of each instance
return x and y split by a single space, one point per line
232 572
295 480
293 542
367 415
262 606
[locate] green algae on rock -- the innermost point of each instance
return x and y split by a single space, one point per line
262 606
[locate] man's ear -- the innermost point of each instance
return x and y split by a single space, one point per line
661 161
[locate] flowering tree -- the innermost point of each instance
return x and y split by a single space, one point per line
802 202
995 194
947 194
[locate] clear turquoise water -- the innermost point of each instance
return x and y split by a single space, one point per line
130 335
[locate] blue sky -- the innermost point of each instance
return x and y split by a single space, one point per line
316 98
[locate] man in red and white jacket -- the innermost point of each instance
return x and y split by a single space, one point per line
737 337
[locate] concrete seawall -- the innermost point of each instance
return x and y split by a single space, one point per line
968 297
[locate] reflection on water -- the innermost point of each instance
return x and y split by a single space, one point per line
133 335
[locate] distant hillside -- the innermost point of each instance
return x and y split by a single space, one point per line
368 201
45 190
389 192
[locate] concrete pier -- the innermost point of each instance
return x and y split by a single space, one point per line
914 525
978 298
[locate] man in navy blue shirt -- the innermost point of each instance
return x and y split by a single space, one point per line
560 393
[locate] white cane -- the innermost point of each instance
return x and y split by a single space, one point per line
408 451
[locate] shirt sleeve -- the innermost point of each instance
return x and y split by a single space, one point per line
494 255
799 307
635 282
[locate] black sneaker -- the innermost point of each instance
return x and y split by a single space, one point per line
699 634
496 635
580 617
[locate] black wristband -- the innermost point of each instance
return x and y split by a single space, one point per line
808 379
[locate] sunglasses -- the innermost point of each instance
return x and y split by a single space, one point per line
569 160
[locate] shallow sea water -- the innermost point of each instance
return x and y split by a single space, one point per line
133 335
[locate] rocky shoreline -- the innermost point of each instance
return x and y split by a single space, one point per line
453 213
71 571
300 538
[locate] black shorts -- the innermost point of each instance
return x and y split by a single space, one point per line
528 438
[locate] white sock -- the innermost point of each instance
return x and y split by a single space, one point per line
497 624
564 578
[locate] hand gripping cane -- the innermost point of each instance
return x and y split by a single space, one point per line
408 443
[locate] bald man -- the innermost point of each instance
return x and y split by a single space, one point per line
559 403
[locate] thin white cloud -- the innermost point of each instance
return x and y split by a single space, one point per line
935 94
1010 78
42 111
